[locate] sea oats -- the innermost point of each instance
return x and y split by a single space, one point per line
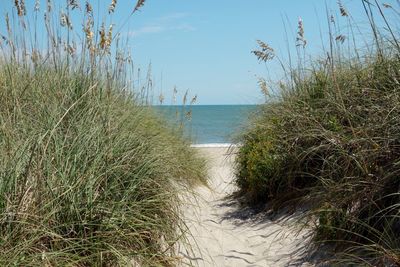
8 25
188 115
89 32
65 21
71 49
332 19
88 8
49 6
103 38
37 6
343 11
341 38
35 56
139 4
23 7
262 83
185 97
161 98
266 53
175 92
73 4
193 101
109 35
20 6
112 6
301 41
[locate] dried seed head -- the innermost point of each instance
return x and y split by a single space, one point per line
35 56
188 115
65 21
112 6
300 26
73 4
37 6
8 24
340 38
266 53
23 7
49 6
105 38
139 4
20 6
194 100
161 98
343 11
88 32
300 34
262 83
185 97
71 49
88 8
109 35
175 92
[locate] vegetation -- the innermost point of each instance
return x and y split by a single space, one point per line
330 140
88 175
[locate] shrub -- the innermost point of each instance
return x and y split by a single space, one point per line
330 140
88 175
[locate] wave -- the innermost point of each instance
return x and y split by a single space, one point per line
214 145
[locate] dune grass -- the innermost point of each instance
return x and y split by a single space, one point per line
330 140
89 176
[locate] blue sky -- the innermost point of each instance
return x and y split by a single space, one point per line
204 46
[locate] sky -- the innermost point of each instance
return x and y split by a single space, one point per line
204 46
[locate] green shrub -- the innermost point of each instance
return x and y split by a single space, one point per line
89 176
330 141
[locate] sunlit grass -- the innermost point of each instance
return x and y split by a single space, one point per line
329 140
89 176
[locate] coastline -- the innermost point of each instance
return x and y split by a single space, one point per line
215 145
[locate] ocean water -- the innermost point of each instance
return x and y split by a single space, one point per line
209 124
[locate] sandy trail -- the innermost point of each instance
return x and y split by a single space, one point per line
224 235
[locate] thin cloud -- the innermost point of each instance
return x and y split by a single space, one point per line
168 23
185 27
173 16
147 30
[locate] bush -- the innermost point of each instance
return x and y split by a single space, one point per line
330 141
88 175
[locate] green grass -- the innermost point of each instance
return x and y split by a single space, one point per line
88 176
330 141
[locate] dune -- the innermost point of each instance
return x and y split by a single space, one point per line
225 234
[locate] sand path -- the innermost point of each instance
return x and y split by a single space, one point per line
224 235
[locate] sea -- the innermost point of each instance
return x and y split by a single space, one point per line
209 125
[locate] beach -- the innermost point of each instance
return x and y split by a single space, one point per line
224 234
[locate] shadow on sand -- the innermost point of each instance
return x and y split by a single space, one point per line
307 253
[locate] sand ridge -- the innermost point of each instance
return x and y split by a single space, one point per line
225 235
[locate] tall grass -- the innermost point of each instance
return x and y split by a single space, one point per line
330 140
89 176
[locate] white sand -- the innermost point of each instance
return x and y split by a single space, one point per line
226 235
